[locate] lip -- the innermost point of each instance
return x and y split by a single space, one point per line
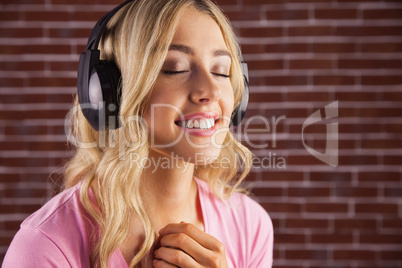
214 115
199 132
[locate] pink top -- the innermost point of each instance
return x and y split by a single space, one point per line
57 235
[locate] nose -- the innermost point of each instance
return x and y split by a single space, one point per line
205 89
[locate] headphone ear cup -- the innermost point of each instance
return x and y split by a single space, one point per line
240 111
104 95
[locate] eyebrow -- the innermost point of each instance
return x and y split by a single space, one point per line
190 51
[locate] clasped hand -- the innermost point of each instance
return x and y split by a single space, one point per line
186 246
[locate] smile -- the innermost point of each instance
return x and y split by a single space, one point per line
204 123
199 124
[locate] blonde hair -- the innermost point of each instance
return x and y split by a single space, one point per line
140 54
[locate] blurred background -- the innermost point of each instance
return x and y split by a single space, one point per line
303 55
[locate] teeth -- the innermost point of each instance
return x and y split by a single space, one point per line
204 123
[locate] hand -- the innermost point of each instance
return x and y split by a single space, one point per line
184 245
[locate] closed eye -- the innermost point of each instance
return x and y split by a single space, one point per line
221 75
168 72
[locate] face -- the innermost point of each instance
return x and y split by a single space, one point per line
192 100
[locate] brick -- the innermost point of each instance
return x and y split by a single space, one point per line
368 30
22 65
52 82
336 47
287 14
305 254
386 14
265 97
369 64
334 80
63 66
265 65
92 15
285 80
395 223
392 96
268 191
335 238
337 14
281 238
285 47
310 31
379 176
326 207
311 64
46 15
34 2
381 47
381 143
380 112
9 15
69 33
393 128
391 255
244 15
308 96
283 207
360 128
332 176
376 208
282 176
392 160
11 82
356 192
380 239
353 254
21 32
382 80
358 160
76 2
316 224
351 224
262 2
261 32
393 191
308 192
356 96
252 48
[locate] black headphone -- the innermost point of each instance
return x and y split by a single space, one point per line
98 83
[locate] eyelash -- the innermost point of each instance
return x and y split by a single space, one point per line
181 72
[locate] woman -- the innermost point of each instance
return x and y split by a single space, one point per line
161 190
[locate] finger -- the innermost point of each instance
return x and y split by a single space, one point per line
162 264
204 239
185 243
175 257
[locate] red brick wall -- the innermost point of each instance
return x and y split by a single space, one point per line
302 55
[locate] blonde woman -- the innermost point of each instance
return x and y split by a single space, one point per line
155 182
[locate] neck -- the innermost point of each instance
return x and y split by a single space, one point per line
171 192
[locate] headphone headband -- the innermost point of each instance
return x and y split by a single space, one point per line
99 82
97 31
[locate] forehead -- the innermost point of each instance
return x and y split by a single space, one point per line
198 30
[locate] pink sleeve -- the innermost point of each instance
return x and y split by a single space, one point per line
32 248
261 238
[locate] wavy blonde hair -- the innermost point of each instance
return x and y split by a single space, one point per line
140 55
